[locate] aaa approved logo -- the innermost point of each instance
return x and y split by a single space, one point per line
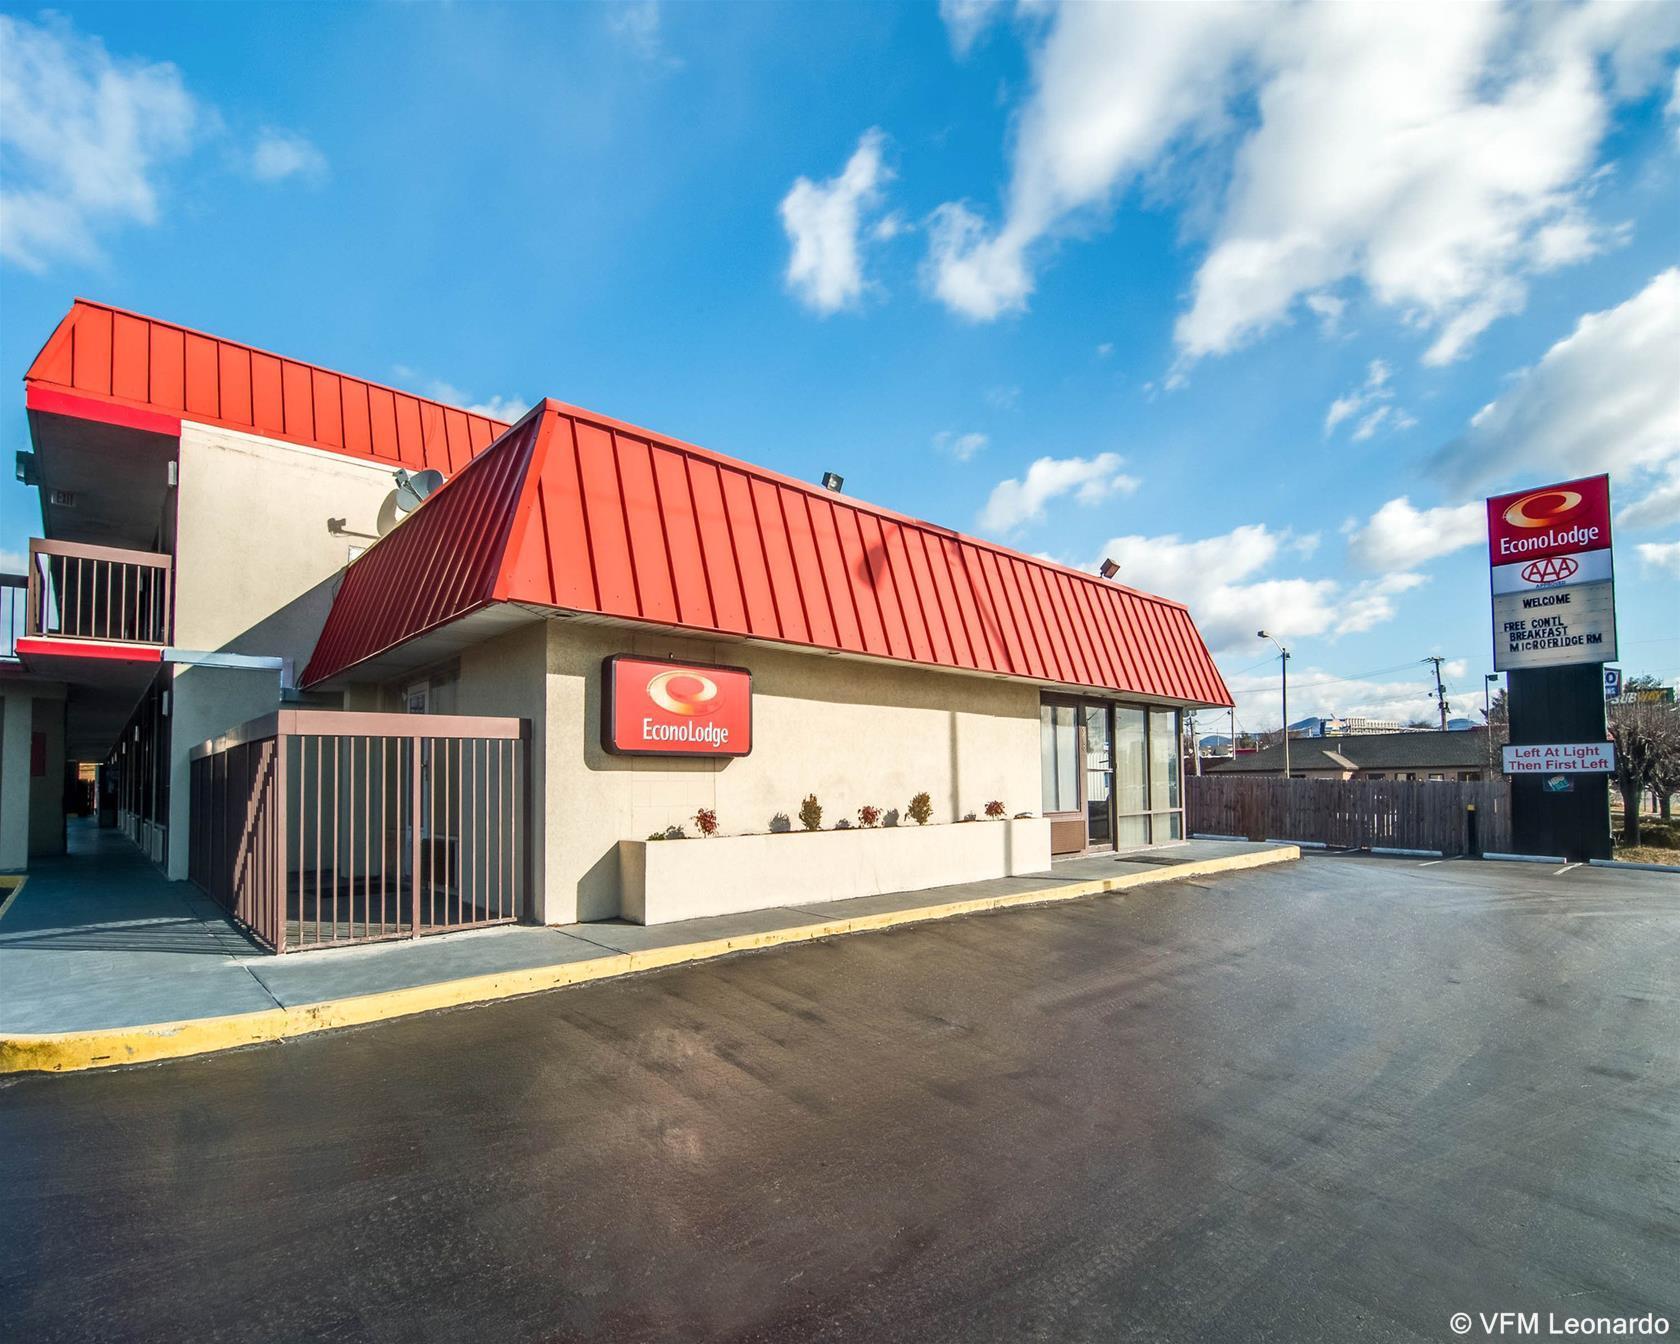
1550 571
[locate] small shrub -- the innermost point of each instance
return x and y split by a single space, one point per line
869 815
780 824
705 820
675 833
969 816
657 835
996 809
1023 816
842 825
810 813
890 817
920 809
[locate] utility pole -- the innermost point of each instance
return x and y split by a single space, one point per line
1285 661
1195 743
1440 690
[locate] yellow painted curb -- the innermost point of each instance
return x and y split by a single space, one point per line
64 1052
11 884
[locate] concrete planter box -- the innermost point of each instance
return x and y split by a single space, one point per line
665 880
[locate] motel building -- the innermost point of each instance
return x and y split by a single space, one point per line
352 699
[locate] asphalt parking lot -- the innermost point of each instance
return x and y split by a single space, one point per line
1336 1100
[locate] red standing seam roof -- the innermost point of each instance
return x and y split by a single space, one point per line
577 512
128 363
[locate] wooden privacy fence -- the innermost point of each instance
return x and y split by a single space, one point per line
1355 813
320 827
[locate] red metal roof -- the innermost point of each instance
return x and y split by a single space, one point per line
123 361
578 512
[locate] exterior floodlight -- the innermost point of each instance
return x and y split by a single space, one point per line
832 481
1108 569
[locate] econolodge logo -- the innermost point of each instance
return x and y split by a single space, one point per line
1550 571
1542 508
683 692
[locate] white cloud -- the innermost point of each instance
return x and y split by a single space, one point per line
1399 536
1328 308
1435 155
963 447
13 562
83 138
822 220
1316 692
1604 398
1224 581
1658 507
495 407
639 26
1375 388
965 20
1662 556
1113 86
278 155
1105 349
1003 398
1090 480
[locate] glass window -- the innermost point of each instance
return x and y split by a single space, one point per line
1058 756
1099 774
1131 781
1163 759
1130 832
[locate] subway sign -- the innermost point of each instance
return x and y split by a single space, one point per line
657 707
1553 579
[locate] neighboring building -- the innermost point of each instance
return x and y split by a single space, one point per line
1346 727
1416 754
231 613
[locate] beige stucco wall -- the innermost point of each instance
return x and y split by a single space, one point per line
46 794
849 731
205 701
253 537
256 562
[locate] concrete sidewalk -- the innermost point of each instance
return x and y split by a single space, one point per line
104 962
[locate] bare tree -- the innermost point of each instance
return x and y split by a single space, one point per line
1647 738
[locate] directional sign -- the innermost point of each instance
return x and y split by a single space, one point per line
1612 682
1591 758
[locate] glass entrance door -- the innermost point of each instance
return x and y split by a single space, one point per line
1099 776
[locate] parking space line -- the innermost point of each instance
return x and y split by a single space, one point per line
1566 867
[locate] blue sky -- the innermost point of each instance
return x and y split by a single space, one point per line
1259 300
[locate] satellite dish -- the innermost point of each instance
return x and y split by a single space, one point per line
411 490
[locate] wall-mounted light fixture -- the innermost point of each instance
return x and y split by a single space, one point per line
1108 569
832 481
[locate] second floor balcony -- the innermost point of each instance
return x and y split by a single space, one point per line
77 591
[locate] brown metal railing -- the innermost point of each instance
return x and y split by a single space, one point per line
316 828
14 589
78 591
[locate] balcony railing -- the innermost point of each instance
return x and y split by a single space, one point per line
14 589
77 591
316 828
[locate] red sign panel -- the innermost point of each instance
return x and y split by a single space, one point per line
656 707
1564 519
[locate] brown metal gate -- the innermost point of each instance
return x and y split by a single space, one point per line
316 828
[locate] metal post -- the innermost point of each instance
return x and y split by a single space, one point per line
414 833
